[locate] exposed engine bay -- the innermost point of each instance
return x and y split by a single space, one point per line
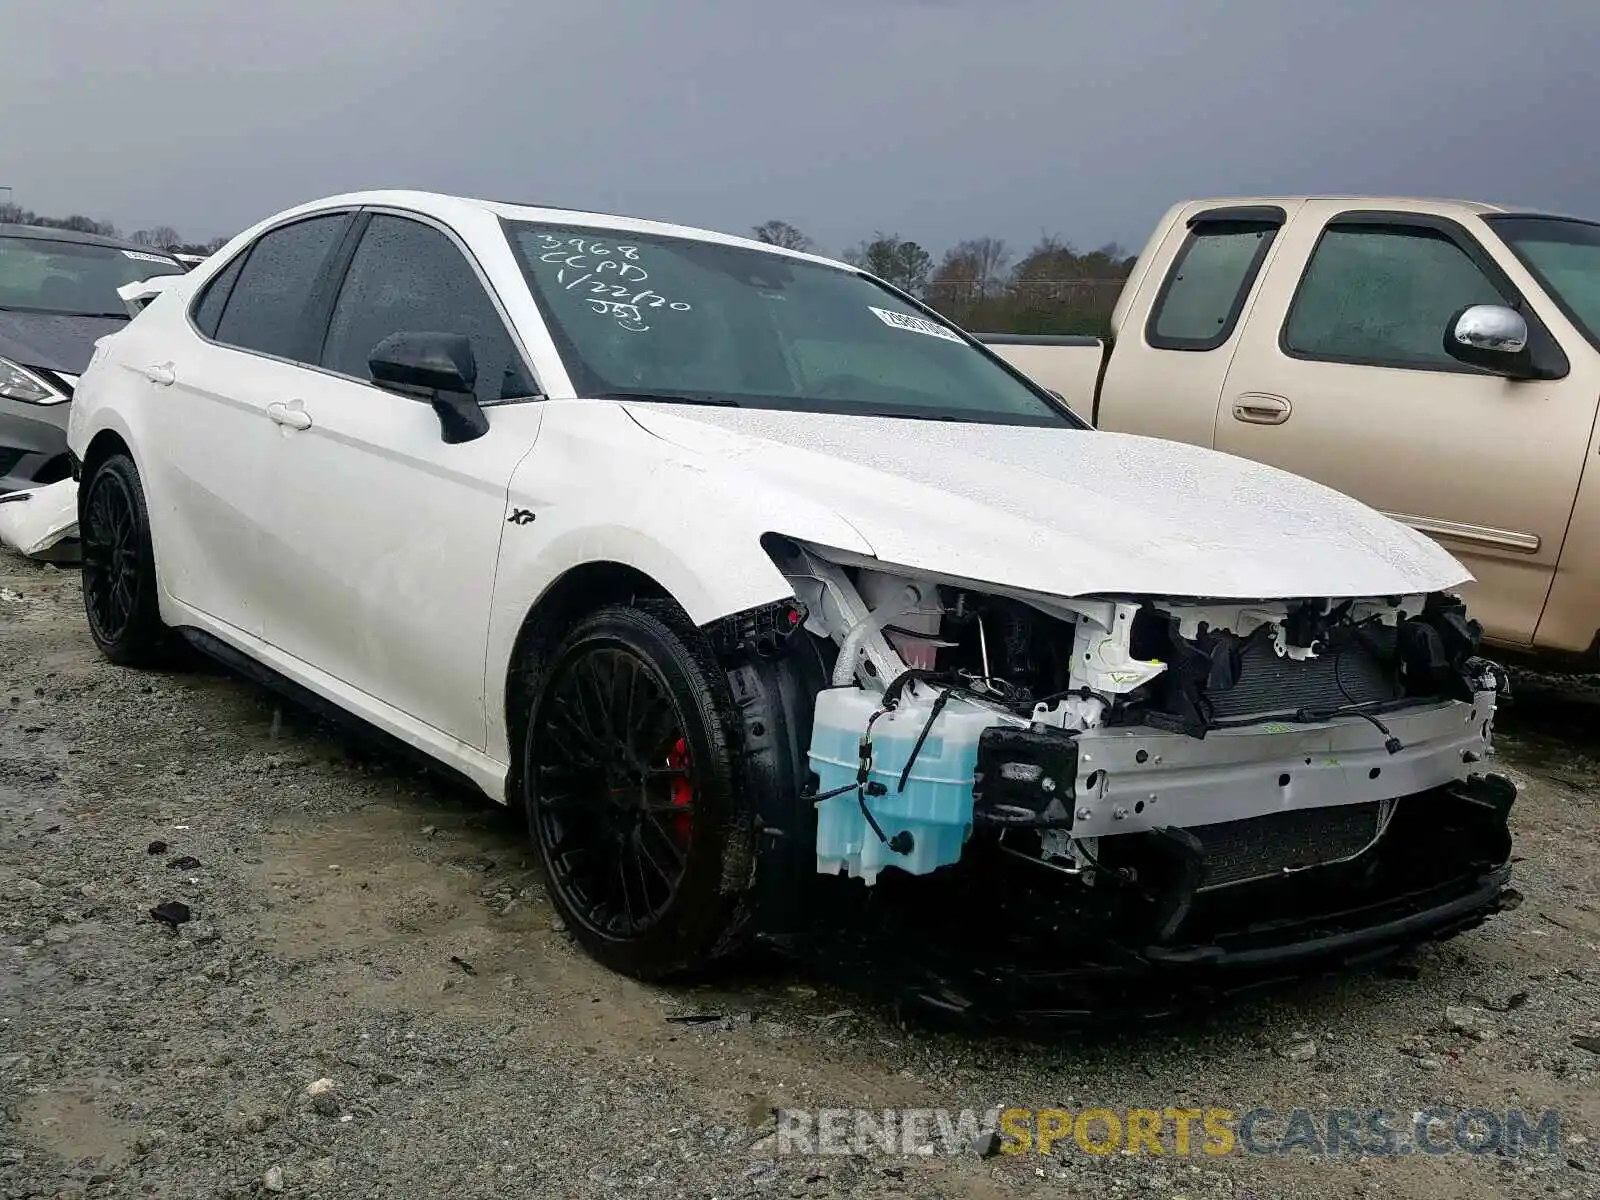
1142 760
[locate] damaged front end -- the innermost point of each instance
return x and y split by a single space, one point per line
1021 800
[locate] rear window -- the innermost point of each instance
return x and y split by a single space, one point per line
73 278
267 308
1205 291
208 309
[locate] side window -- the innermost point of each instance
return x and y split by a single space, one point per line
1205 291
1383 294
407 276
208 308
267 307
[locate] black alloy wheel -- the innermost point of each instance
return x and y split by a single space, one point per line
119 580
616 790
631 792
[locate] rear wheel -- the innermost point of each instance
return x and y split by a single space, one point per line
119 569
631 786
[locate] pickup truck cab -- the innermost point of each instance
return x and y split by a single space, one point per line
1436 359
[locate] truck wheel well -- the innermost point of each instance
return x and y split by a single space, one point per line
581 591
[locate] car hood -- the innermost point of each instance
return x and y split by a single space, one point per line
53 342
1065 512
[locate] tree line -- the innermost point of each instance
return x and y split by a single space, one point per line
161 237
1052 288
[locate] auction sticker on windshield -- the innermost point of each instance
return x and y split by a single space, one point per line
914 324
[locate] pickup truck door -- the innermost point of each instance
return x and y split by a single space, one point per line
1341 375
1166 378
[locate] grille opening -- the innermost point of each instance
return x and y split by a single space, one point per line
1258 847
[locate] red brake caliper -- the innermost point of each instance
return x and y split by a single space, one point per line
682 790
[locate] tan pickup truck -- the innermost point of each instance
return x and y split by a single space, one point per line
1439 360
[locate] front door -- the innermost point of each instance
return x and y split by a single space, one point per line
1341 375
384 538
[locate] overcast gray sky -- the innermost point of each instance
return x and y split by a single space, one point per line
938 119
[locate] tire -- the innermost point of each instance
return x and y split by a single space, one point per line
631 783
119 567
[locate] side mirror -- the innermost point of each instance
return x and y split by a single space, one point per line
1493 337
439 368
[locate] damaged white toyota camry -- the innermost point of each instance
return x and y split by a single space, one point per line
790 613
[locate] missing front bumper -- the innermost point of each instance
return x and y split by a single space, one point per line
1023 947
1135 779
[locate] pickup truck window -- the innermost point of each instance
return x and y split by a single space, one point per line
1381 295
1564 256
682 320
1204 293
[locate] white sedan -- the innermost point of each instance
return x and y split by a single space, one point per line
783 607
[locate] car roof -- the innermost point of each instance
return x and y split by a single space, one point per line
49 233
444 206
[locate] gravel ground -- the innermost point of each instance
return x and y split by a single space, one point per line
374 999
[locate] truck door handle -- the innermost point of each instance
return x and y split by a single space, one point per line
294 415
161 374
1260 409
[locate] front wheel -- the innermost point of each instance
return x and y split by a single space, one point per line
119 567
646 839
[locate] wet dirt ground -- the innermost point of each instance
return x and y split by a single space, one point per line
373 997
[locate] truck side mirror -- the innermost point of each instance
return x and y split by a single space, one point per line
1493 337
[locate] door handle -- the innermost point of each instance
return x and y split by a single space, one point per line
161 374
1258 408
292 415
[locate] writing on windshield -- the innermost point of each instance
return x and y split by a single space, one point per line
681 318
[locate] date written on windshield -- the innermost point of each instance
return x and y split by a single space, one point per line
608 276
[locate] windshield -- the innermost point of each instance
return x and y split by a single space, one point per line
697 322
1564 255
76 278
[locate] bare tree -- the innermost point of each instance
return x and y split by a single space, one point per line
781 233
162 237
1052 258
977 260
969 271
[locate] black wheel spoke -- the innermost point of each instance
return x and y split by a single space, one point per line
665 874
637 859
623 856
627 705
575 740
654 823
669 806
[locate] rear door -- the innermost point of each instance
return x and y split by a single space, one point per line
209 400
1341 375
384 539
1165 379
